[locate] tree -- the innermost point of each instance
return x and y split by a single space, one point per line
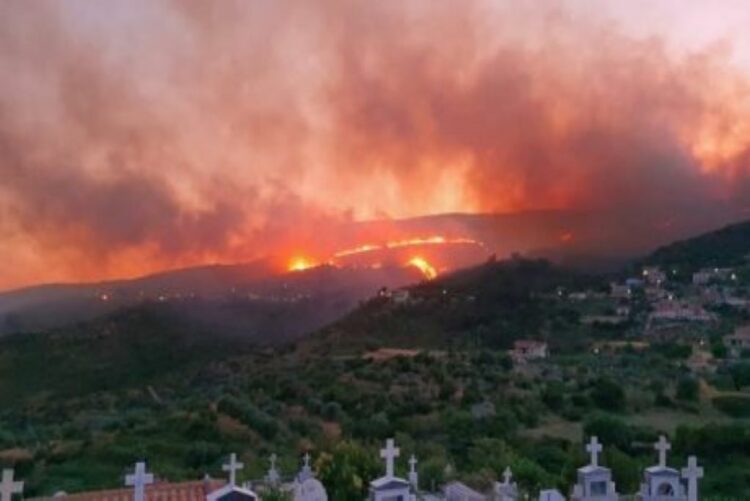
347 471
608 395
610 430
687 389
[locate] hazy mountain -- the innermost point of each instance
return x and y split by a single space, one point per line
248 300
587 240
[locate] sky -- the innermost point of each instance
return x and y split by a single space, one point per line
151 134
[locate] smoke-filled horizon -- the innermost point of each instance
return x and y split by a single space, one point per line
142 135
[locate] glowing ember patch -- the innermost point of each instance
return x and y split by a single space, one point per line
301 263
566 237
422 265
411 242
357 250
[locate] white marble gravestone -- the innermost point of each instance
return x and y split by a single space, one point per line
390 487
594 481
507 490
306 487
660 482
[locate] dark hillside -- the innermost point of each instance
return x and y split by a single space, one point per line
132 348
728 246
492 305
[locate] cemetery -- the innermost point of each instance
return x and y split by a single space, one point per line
593 483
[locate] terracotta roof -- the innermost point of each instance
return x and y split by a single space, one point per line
160 491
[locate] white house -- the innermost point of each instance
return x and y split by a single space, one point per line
739 341
526 349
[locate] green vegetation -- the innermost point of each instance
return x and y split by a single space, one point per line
81 405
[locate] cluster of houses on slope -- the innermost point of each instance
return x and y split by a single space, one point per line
670 303
594 483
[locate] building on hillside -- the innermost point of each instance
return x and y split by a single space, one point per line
709 275
578 296
738 341
620 291
678 311
653 275
634 283
656 293
526 349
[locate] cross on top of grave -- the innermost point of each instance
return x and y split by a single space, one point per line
8 486
507 476
594 448
139 479
273 473
232 467
390 453
662 446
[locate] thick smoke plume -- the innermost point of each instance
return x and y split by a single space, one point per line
141 135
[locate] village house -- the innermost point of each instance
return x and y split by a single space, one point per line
708 275
653 275
619 291
678 311
738 341
634 283
527 349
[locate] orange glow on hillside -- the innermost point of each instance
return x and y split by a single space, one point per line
301 263
411 242
422 265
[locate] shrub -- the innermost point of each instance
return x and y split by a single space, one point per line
608 395
735 406
687 389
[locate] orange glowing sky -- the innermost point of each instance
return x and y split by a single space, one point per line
150 134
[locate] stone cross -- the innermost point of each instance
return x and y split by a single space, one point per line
390 453
8 486
139 479
662 446
692 473
306 471
232 467
594 448
507 476
273 474
413 475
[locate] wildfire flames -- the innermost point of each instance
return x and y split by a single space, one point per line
400 252
412 242
422 265
301 264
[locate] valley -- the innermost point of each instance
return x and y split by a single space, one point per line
438 365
